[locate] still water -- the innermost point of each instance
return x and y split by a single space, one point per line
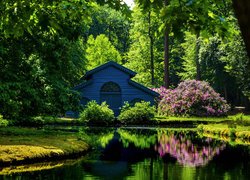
144 154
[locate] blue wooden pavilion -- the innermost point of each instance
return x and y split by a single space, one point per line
112 83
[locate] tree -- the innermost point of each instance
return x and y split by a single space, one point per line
150 34
41 55
237 63
189 60
114 24
223 65
166 51
100 50
144 56
142 51
242 11
195 16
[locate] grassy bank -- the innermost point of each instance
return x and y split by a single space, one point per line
19 145
234 134
40 121
174 119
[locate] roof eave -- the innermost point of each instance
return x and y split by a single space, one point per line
143 88
110 63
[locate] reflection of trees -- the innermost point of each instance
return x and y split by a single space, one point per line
105 139
186 150
128 145
184 146
141 139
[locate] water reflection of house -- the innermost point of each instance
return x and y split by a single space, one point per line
115 160
112 83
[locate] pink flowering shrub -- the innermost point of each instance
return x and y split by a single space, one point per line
191 97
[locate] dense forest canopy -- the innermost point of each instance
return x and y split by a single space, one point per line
47 46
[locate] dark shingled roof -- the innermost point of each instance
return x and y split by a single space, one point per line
110 63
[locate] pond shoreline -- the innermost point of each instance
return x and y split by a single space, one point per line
19 145
49 158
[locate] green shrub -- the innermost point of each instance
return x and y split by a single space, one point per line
94 113
3 122
238 117
30 121
241 119
141 112
35 121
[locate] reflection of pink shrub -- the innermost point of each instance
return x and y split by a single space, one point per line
191 98
185 151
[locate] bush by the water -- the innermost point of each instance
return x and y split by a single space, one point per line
241 119
191 97
141 112
3 122
41 120
94 113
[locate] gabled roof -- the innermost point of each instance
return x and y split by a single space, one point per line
143 88
110 63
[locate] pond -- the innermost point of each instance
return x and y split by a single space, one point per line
144 153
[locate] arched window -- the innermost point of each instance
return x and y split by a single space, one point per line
132 103
110 87
111 93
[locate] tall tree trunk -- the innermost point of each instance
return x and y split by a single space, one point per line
197 62
225 91
166 53
151 49
242 12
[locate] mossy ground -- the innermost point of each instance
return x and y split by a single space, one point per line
28 144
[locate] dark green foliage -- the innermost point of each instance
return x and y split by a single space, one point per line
140 113
94 113
113 24
40 60
42 54
35 121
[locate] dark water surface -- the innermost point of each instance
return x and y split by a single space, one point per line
144 154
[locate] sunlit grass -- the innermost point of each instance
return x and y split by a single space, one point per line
200 119
236 134
20 144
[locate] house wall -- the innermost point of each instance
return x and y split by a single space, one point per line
129 92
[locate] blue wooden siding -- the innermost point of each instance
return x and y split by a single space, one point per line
128 92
